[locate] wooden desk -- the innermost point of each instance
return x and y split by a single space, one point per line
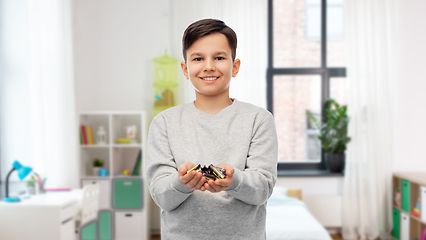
49 216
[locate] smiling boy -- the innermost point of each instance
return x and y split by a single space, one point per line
214 129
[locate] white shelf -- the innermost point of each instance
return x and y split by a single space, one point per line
117 157
95 146
127 145
410 227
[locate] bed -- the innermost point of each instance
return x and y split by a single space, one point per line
288 218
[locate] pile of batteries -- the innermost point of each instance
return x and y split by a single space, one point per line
210 172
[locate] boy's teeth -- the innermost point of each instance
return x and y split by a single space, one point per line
210 78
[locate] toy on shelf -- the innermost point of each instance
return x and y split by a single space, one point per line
416 209
131 132
131 136
397 197
165 83
101 136
103 172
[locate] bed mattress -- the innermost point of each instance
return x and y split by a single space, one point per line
289 219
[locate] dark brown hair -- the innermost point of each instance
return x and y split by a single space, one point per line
205 27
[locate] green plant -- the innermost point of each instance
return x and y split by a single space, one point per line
98 162
334 127
31 183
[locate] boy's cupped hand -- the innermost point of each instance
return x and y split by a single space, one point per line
193 180
221 184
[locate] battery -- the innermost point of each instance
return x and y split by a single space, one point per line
194 168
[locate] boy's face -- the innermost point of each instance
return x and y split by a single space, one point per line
209 65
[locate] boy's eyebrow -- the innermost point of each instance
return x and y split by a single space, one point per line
221 52
195 54
201 54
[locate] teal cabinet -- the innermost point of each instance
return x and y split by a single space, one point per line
405 195
396 223
105 225
88 232
127 193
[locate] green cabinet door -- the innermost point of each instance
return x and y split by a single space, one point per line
88 232
396 223
105 225
127 193
406 195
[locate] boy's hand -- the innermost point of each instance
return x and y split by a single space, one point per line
192 180
221 184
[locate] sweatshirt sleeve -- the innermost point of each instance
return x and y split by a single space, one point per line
254 185
163 182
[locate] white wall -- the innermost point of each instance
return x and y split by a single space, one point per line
410 144
115 43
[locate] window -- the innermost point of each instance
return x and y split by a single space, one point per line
15 126
305 67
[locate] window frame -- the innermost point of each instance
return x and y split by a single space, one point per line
305 168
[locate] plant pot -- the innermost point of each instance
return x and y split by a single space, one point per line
96 171
31 190
335 162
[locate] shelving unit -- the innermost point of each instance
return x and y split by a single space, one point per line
127 222
412 186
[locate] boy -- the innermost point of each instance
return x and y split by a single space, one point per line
218 130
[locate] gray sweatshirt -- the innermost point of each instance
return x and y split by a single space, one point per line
242 135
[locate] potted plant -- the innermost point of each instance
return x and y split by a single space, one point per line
97 165
333 130
31 186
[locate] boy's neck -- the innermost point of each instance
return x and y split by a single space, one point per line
212 104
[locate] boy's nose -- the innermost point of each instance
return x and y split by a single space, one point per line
209 65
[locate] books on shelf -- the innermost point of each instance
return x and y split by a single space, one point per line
86 135
90 134
137 166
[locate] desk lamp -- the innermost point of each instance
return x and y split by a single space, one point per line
22 173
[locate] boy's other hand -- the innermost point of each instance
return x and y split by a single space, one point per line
221 184
193 180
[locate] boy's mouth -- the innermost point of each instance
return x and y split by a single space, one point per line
208 79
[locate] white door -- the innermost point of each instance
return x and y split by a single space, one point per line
405 226
128 226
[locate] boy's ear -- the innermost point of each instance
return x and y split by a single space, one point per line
236 67
184 69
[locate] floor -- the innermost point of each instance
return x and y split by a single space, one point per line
334 236
155 237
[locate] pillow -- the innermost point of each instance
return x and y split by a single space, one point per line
279 198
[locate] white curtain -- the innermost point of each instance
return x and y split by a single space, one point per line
367 200
53 117
248 18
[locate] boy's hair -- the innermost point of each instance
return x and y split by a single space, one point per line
205 27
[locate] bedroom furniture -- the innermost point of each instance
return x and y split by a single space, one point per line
87 224
47 216
409 194
104 225
127 200
288 218
129 216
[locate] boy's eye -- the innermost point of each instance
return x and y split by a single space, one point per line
220 58
198 59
